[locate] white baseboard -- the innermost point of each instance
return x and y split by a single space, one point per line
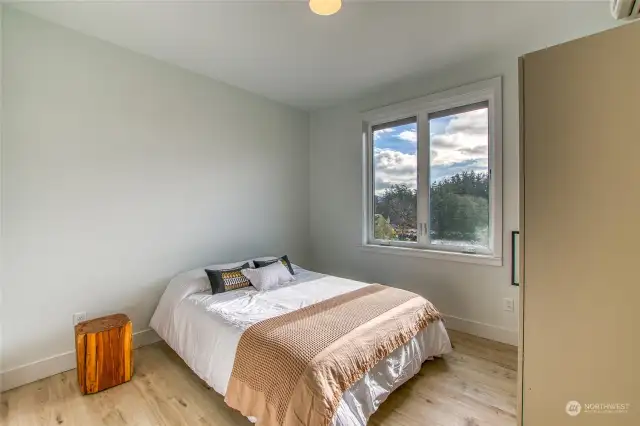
67 361
487 331
144 338
58 363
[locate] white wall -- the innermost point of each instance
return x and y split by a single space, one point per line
471 295
118 171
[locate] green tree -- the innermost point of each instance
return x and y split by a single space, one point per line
459 209
458 217
398 204
383 229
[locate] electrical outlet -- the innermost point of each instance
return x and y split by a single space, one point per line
78 317
507 304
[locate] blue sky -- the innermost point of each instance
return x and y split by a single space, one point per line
391 139
458 143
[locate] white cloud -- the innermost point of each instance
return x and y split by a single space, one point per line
394 167
409 135
472 122
465 138
378 133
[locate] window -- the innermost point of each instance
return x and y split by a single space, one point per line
395 175
433 175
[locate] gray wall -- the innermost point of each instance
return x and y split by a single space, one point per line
119 171
470 295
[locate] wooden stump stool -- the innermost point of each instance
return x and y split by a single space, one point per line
104 352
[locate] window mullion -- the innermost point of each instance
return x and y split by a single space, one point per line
368 184
424 154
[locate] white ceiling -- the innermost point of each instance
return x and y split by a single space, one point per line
284 52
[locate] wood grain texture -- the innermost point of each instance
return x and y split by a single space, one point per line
103 351
473 386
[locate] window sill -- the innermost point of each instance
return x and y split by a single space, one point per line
479 259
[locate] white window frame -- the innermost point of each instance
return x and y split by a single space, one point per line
484 91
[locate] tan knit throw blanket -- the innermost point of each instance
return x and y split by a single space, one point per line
293 369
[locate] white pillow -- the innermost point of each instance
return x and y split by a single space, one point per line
268 277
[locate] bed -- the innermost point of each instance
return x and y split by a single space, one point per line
205 329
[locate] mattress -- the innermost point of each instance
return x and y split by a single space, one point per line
204 330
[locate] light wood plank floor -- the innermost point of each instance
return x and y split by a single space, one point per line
473 386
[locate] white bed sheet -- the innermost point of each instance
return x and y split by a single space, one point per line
205 329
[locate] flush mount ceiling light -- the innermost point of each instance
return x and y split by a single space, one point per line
325 7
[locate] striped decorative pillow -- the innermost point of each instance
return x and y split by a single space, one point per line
228 279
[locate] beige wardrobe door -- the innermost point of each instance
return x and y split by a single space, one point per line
580 209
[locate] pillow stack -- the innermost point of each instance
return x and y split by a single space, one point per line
267 274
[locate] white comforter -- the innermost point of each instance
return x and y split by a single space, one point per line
204 329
